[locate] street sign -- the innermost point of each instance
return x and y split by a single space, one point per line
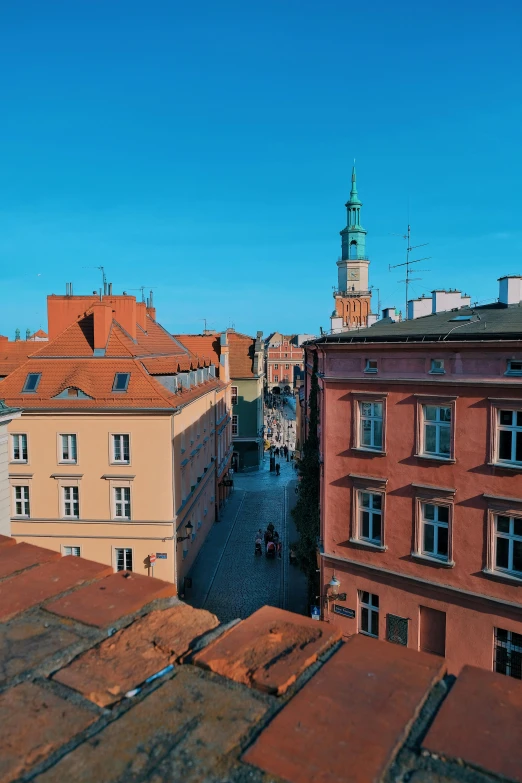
161 555
152 559
344 611
316 612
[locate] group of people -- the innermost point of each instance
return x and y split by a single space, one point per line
270 536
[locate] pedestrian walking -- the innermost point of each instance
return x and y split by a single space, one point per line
278 469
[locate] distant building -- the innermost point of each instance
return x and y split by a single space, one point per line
38 337
421 511
245 358
7 415
352 295
284 355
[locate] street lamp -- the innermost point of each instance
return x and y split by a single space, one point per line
333 592
189 527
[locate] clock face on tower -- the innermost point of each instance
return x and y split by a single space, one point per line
353 274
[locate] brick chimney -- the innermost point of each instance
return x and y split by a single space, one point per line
141 315
102 312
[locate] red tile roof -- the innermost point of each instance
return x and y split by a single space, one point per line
205 346
356 711
67 361
13 354
241 355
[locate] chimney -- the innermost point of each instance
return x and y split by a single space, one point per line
224 371
141 315
390 312
443 300
110 289
102 313
510 290
417 308
372 319
151 310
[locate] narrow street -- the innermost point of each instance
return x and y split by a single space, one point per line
227 578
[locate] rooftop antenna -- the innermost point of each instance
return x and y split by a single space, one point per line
104 279
142 289
408 263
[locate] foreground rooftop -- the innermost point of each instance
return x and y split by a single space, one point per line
109 677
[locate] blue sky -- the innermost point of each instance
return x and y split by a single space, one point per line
205 149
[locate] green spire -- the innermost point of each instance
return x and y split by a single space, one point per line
354 235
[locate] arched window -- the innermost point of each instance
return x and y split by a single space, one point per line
353 249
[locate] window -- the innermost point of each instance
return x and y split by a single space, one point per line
370 516
371 365
123 559
22 508
397 629
122 508
235 425
71 550
276 367
31 382
508 544
276 378
514 367
369 614
71 504
437 430
370 425
121 449
508 653
234 395
121 382
68 448
435 530
437 366
287 366
510 437
19 443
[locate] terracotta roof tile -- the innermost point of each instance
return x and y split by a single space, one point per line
13 354
241 355
204 346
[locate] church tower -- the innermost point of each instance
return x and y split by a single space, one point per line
352 295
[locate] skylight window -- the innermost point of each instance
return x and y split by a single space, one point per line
121 381
31 382
461 318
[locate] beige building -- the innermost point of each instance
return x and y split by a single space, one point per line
115 457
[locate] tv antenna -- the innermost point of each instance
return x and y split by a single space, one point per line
104 279
408 264
142 289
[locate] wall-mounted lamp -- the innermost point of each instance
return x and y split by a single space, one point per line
189 527
333 590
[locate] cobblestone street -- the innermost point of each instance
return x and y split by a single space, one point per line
227 578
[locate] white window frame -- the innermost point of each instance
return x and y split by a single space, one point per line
233 395
124 501
127 551
71 553
436 524
70 501
371 609
372 512
72 438
439 425
16 437
235 425
512 538
118 438
372 418
510 647
514 429
24 500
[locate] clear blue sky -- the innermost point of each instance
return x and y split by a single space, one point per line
205 149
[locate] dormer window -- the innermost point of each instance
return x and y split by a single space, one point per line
514 367
437 366
121 381
31 382
371 365
72 392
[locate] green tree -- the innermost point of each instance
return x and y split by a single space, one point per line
306 511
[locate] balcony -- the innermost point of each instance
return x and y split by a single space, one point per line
355 294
